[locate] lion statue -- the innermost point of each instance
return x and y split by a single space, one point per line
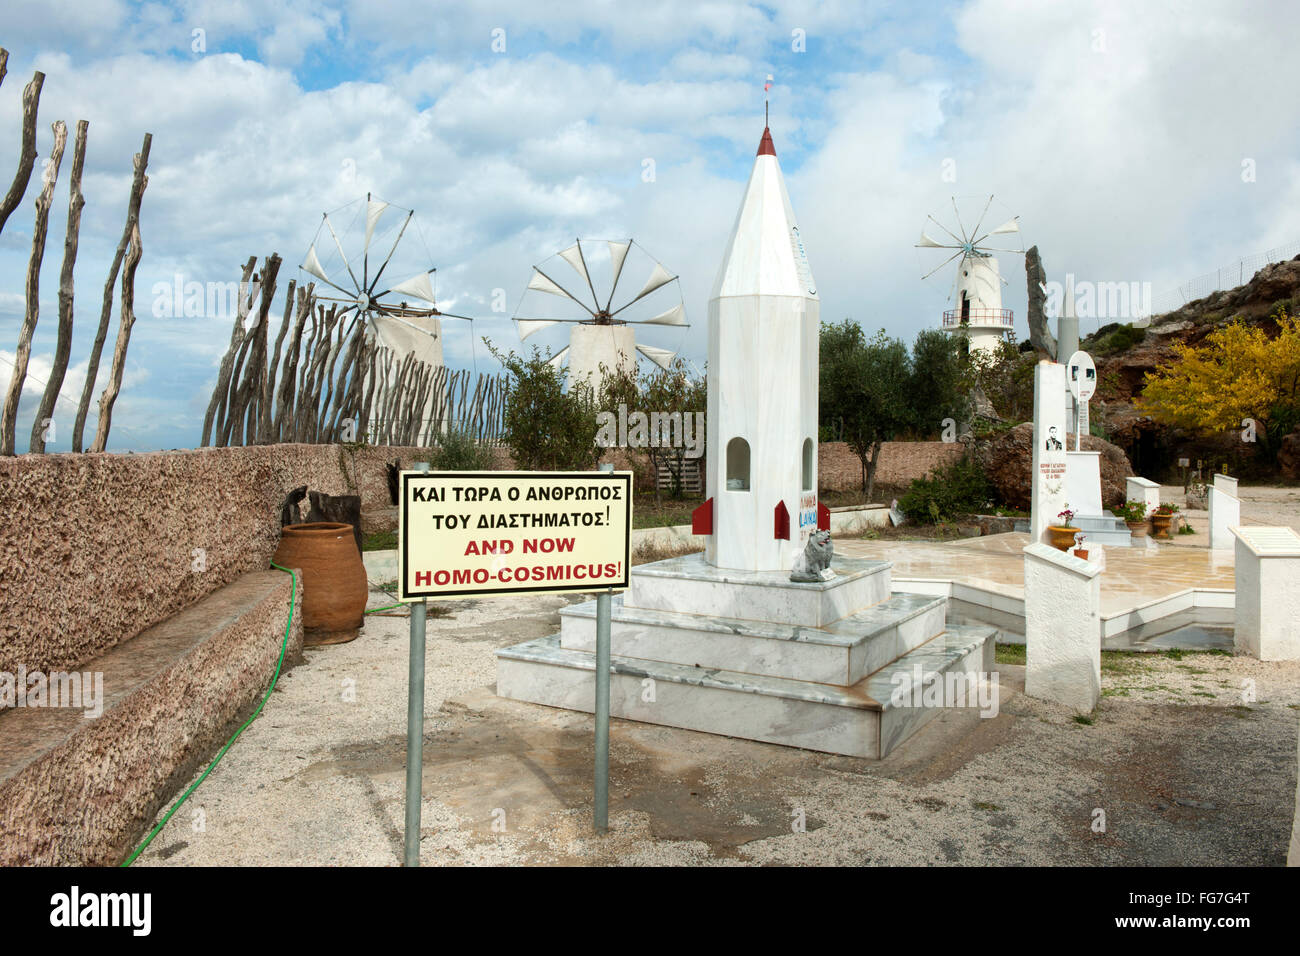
814 563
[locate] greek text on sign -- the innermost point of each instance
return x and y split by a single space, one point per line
501 532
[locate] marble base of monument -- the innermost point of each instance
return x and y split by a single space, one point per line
753 655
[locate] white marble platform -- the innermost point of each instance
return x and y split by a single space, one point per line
840 653
859 720
691 585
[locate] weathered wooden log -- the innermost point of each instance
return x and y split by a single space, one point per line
63 345
265 435
288 377
345 509
254 346
9 417
216 406
27 151
133 253
106 309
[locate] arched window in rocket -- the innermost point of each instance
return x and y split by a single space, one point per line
807 464
737 465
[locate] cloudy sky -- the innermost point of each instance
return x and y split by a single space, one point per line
1138 142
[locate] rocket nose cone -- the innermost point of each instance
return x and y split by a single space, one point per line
765 147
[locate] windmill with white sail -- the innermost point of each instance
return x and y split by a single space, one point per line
584 310
370 258
977 283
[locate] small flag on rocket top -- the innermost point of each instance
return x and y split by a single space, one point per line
768 85
762 405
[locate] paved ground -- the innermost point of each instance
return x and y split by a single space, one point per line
1184 771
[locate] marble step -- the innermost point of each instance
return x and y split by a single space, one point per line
863 720
840 653
692 585
1100 529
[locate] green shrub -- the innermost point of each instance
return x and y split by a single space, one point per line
956 489
1120 338
458 450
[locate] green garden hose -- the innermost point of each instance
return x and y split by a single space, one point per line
293 591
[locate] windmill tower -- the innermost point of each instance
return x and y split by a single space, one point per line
600 316
976 293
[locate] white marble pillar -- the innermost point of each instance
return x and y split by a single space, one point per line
1062 628
1225 512
1143 490
1266 621
1083 482
1048 469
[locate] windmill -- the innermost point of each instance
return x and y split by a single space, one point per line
601 325
376 291
977 284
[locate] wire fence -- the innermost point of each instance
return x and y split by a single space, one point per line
1238 272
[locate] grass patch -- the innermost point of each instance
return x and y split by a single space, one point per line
664 513
1083 719
1009 653
647 555
984 805
379 541
1115 692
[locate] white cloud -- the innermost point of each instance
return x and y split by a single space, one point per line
1123 161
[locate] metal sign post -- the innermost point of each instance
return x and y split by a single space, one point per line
1081 378
415 725
480 534
601 795
601 792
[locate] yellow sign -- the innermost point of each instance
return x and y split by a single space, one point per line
513 532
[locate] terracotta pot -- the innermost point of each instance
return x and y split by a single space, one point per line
1160 524
1081 554
334 586
1138 529
1061 538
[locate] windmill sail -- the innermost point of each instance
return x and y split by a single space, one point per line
658 277
661 357
573 256
418 285
373 211
528 326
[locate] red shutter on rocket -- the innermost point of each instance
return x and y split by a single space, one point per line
782 532
702 518
823 517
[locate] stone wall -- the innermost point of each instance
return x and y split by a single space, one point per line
97 548
838 469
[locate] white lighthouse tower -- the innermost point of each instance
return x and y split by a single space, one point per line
762 403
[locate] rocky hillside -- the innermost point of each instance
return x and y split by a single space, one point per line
1124 355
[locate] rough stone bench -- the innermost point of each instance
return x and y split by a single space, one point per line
84 790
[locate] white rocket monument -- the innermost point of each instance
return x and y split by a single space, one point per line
762 374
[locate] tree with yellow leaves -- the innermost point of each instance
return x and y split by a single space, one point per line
1239 373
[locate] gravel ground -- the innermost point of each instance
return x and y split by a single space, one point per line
1186 770
1260 504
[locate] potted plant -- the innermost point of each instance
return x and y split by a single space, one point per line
1079 550
1061 536
1161 519
1134 514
